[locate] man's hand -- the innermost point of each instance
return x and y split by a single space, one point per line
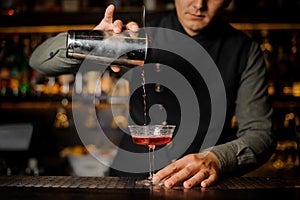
108 22
193 169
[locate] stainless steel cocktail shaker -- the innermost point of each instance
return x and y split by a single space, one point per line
125 49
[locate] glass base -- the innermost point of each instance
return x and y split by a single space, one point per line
148 182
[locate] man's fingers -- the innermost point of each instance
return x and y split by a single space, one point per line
107 21
115 68
117 26
210 180
164 173
132 26
181 175
109 14
169 170
196 179
200 178
192 169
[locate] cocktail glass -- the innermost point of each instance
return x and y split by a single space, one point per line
151 136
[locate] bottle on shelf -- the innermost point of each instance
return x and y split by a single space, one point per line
15 70
267 49
295 63
70 5
283 72
4 81
10 63
32 168
4 70
8 7
150 5
51 87
25 68
66 81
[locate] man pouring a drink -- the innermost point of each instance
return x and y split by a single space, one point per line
241 66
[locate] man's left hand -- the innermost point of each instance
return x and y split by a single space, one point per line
193 169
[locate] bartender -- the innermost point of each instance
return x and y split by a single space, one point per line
242 68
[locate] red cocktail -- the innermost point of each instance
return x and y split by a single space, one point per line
151 136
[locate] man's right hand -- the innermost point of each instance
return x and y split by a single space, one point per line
108 22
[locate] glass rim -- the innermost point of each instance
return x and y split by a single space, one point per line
157 125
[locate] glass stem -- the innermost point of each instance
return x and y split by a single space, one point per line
151 161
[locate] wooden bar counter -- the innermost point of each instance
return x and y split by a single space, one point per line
70 187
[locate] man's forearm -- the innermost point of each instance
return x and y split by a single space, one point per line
50 57
245 153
